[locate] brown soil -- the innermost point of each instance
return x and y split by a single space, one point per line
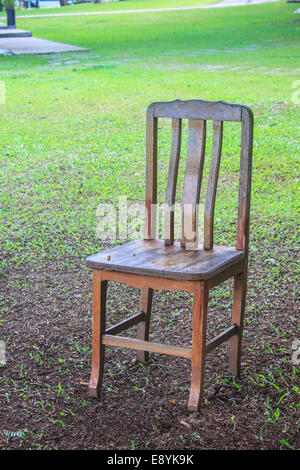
46 323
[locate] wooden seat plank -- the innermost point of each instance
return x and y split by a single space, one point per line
153 258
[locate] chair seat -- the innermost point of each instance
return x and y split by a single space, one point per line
153 258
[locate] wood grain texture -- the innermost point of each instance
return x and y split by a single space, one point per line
198 109
212 185
151 176
192 183
245 181
144 326
224 336
199 345
153 258
125 324
223 275
99 314
140 281
160 348
238 310
164 264
172 182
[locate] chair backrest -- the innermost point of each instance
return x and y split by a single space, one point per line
197 112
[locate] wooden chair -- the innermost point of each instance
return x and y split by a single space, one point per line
164 264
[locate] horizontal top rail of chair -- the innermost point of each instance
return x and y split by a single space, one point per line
198 109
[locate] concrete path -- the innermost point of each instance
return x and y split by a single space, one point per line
18 46
225 3
13 33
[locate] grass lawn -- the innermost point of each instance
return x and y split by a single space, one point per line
73 136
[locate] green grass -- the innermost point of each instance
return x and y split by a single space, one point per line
74 124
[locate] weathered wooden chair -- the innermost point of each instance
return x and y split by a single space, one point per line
164 264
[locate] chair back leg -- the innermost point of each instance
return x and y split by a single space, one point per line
144 326
238 310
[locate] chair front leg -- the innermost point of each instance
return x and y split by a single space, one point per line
99 308
144 326
238 310
199 345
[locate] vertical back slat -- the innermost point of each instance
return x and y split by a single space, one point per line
192 183
172 182
151 176
212 185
